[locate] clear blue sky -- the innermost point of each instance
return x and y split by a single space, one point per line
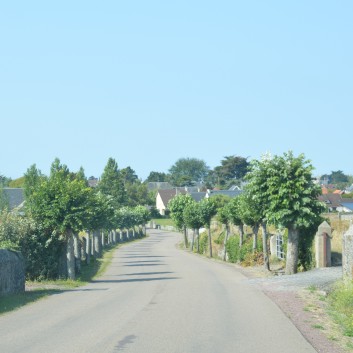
148 82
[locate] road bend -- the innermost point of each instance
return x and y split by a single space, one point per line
155 298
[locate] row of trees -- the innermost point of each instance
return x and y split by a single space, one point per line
188 171
62 205
280 192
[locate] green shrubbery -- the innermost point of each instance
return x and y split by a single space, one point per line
243 253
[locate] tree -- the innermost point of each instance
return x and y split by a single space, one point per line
207 208
137 194
59 204
32 179
186 171
232 168
235 217
177 206
292 199
250 213
223 216
156 177
193 219
257 190
111 183
128 175
4 181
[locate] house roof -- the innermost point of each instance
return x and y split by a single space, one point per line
14 197
159 185
230 193
168 194
348 205
198 196
331 200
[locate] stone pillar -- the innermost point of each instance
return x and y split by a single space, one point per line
347 254
323 245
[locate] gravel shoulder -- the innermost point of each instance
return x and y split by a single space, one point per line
302 298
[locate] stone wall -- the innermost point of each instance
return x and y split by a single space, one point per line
12 272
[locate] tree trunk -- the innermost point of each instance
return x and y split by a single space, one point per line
77 253
225 243
193 240
103 238
93 251
70 256
255 230
83 249
198 240
292 250
97 244
88 248
241 234
210 239
185 239
264 246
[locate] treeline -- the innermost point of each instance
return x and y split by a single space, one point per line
61 207
280 191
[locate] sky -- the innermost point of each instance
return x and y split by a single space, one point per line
149 82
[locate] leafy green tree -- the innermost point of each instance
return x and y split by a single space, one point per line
177 206
4 202
257 189
156 177
208 210
292 200
59 204
32 179
193 219
186 171
111 183
4 181
17 183
251 214
232 168
142 216
128 175
235 217
137 194
224 217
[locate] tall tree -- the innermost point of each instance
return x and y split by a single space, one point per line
208 210
232 168
156 177
59 204
33 178
186 171
111 183
177 206
128 175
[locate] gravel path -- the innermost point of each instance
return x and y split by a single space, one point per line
293 296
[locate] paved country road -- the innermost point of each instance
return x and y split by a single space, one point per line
155 298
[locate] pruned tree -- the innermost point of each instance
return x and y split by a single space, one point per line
193 219
235 217
177 206
207 209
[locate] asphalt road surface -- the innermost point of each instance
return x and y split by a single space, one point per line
155 298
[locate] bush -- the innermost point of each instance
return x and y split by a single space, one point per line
244 254
42 252
220 238
203 243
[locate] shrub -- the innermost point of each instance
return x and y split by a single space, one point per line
244 254
203 243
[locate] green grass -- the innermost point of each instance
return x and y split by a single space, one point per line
341 306
43 289
164 221
318 326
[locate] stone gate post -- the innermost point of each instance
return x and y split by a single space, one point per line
323 245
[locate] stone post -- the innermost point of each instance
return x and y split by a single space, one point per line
323 245
273 245
347 254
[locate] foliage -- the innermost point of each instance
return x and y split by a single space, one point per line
203 243
17 183
128 175
207 209
4 181
137 194
220 201
231 168
186 171
4 202
111 183
193 216
234 211
156 177
32 179
177 206
243 253
341 306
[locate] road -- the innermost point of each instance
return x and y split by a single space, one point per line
155 298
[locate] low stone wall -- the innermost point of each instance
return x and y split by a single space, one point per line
12 272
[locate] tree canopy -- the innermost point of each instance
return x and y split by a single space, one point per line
187 171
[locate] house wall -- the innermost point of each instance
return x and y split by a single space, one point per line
160 205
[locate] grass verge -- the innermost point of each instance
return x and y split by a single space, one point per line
38 290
